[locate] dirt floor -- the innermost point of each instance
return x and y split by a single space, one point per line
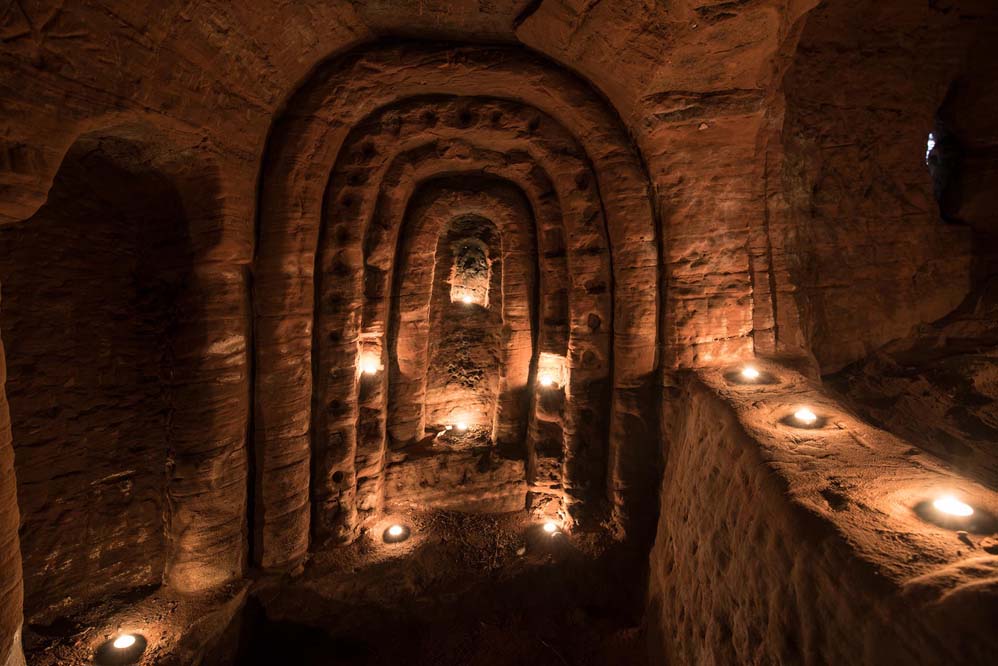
464 589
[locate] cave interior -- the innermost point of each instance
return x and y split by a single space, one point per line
487 332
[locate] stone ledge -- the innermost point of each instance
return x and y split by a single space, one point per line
787 545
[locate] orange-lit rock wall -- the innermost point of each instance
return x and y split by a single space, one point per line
855 221
782 545
702 179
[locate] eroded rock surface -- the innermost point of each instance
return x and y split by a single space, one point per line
216 214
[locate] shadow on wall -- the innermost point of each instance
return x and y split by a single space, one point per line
91 291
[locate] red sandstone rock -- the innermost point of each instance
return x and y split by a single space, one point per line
212 209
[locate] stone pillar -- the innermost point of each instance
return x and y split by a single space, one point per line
210 410
11 588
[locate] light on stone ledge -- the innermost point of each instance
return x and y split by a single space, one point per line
546 379
946 510
467 299
749 374
124 641
550 527
805 416
461 426
951 506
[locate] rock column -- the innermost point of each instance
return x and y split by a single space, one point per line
11 588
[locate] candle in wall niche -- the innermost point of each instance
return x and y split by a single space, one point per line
369 364
467 299
551 372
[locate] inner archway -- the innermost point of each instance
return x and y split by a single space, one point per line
376 141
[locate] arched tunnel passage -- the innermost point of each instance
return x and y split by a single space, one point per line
670 222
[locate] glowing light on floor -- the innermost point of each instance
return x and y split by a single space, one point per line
120 650
805 416
550 527
546 380
461 426
749 373
396 533
952 506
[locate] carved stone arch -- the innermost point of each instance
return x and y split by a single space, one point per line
432 213
564 261
304 146
440 203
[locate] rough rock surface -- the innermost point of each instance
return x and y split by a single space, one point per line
855 222
372 171
449 477
11 585
938 388
124 363
703 179
87 334
809 539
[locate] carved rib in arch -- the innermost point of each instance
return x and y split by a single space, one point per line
303 147
426 162
589 346
434 162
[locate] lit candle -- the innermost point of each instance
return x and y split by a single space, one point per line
369 365
461 425
749 373
395 533
550 527
546 379
952 506
124 641
467 299
805 416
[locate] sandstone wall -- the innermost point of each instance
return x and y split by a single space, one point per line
937 386
678 109
11 580
855 222
781 545
89 284
130 390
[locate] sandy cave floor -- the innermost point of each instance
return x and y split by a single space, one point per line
474 590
